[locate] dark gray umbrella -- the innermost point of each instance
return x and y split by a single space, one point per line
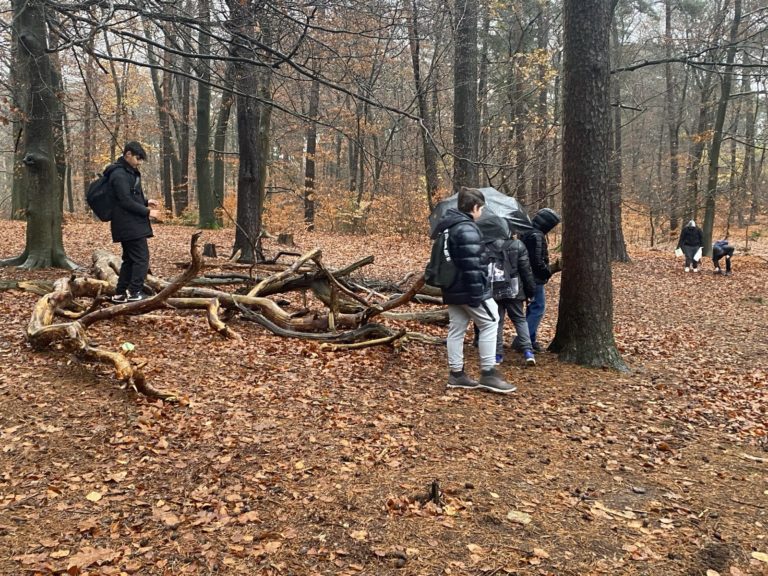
493 227
496 202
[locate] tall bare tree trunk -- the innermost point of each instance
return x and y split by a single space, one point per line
88 137
44 246
585 320
220 137
717 134
309 166
673 126
615 168
181 189
253 122
206 202
465 113
428 148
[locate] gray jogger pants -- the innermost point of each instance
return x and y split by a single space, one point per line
485 317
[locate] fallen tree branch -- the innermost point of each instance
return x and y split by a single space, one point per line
329 347
41 331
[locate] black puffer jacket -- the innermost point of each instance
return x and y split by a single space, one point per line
516 265
691 235
536 243
465 245
130 215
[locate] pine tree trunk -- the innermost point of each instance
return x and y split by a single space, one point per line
585 320
465 113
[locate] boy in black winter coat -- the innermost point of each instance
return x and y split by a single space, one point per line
469 297
130 222
538 253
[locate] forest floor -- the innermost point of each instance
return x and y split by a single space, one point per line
283 459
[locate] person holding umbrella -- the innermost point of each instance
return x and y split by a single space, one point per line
469 296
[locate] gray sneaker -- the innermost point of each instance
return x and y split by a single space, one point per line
461 380
492 381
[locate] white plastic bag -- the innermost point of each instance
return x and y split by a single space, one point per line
697 256
678 252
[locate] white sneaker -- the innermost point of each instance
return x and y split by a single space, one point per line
696 270
687 269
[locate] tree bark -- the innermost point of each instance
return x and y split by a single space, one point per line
717 134
253 121
465 113
220 138
44 246
428 148
309 162
205 200
673 127
615 180
585 320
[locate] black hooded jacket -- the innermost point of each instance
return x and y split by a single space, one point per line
465 245
691 235
536 243
130 214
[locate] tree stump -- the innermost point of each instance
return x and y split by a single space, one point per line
285 238
209 250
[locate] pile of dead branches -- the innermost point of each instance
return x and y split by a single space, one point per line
62 317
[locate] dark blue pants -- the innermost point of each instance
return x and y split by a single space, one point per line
135 266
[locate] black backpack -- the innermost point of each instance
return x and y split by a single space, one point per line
99 195
440 272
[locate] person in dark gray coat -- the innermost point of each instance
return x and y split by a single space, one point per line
130 223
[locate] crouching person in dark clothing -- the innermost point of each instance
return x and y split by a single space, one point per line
469 296
130 223
721 249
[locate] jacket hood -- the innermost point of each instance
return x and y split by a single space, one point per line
492 227
691 224
452 216
545 219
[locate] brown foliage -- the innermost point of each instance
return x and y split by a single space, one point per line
286 459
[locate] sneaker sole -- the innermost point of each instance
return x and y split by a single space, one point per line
497 390
530 362
461 387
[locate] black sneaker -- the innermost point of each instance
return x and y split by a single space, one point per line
135 296
120 298
461 380
537 347
492 381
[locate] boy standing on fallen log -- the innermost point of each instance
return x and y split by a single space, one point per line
469 296
130 223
